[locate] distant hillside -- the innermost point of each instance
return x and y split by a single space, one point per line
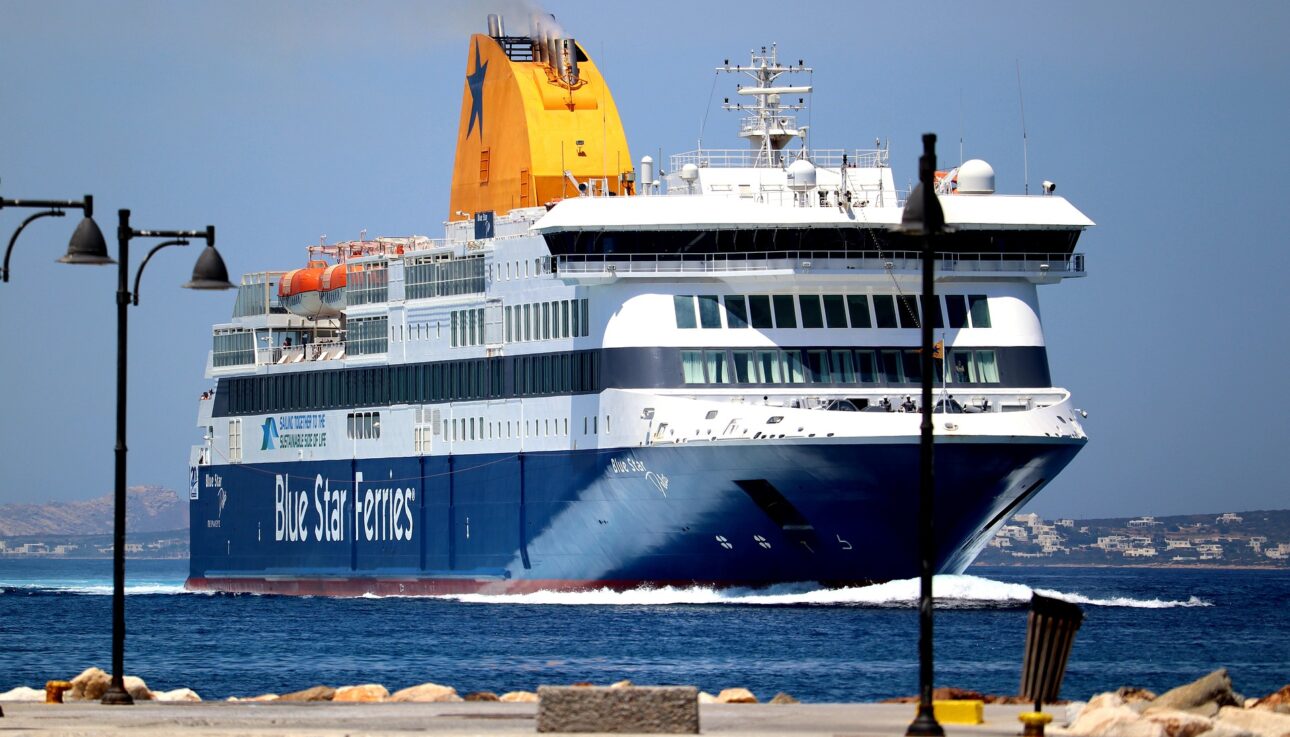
148 509
1259 538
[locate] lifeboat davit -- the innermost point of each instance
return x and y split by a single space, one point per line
314 292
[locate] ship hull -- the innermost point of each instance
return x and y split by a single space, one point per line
713 514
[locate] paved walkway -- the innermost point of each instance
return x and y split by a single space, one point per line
492 719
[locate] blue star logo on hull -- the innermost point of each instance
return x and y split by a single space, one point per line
270 429
476 84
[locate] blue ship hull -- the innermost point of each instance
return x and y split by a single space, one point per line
716 514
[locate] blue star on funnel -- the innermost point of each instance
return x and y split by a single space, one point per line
476 84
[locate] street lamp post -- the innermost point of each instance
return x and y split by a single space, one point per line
924 217
87 245
209 273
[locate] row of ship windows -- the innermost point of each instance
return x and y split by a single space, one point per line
839 366
541 265
566 318
468 428
828 310
559 373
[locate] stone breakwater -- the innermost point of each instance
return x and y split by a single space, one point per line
92 683
1207 707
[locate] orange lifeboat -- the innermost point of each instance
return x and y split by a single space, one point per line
313 292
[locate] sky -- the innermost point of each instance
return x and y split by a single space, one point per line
283 122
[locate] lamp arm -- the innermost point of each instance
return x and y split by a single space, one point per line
207 235
14 239
86 205
139 274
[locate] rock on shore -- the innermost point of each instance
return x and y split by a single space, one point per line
317 693
736 696
366 693
1206 707
428 693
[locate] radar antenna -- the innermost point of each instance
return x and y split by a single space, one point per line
770 123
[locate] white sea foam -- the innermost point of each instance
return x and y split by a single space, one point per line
96 587
952 592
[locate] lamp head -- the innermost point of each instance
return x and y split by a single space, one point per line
87 245
209 272
914 221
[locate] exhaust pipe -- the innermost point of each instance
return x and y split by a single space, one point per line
567 60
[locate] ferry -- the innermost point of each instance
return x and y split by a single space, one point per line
613 373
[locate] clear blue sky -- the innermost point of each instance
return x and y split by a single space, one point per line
282 121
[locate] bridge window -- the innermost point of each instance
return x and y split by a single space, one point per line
785 316
812 317
956 310
858 306
818 364
768 367
987 365
867 365
716 364
683 305
934 309
979 307
793 367
709 312
736 311
835 312
908 311
745 367
884 310
692 366
843 369
759 306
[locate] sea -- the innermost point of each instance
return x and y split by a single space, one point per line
1154 628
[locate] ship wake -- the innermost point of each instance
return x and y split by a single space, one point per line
951 591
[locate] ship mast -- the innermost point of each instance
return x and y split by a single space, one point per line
770 123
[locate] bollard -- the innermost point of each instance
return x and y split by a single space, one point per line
54 691
1050 632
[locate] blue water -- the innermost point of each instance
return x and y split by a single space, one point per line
1151 628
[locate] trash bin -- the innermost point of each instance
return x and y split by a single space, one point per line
1050 632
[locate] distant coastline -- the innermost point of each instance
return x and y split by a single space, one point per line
1254 540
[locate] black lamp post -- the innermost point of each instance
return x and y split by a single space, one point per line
87 245
924 217
208 273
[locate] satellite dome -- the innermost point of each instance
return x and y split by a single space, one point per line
689 172
976 177
801 175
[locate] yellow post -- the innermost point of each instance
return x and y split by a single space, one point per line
1033 723
54 691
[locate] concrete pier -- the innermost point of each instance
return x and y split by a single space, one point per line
208 719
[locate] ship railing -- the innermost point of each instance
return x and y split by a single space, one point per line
747 157
319 351
1038 264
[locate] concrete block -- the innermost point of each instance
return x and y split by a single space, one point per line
638 709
